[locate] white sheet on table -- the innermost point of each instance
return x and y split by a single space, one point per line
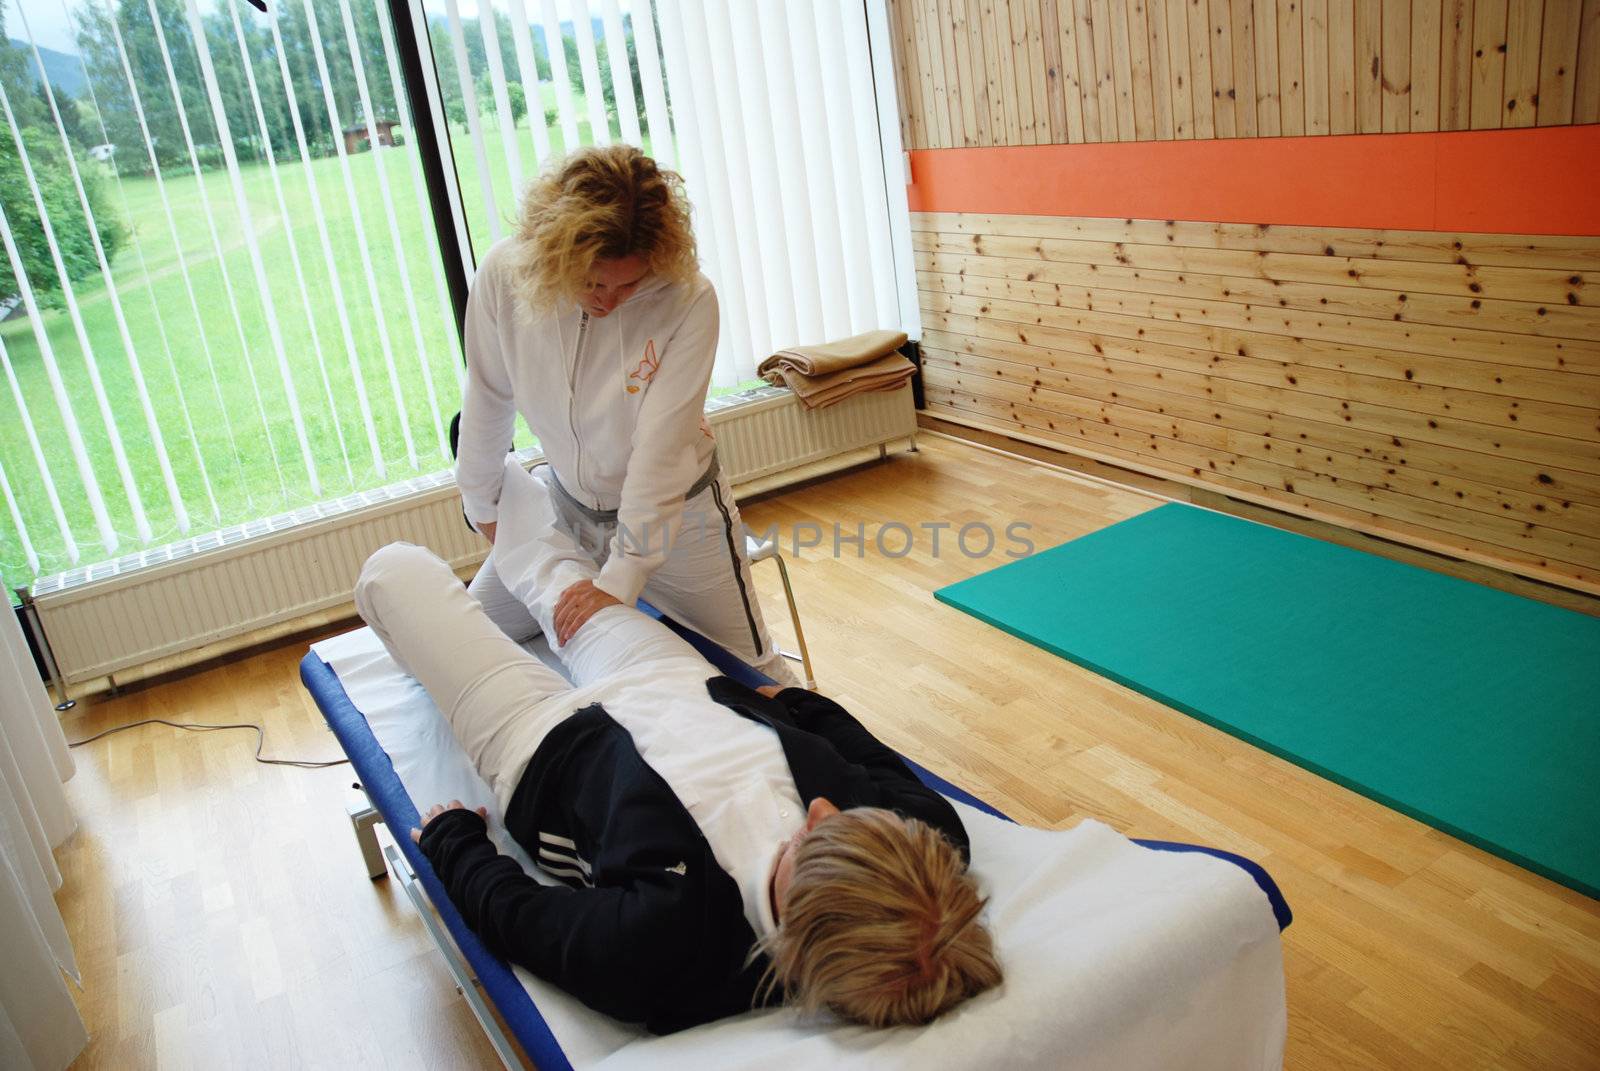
1115 956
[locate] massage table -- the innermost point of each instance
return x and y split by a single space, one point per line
1118 954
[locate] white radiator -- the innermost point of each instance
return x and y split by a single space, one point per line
169 606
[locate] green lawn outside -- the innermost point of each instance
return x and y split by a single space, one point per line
248 447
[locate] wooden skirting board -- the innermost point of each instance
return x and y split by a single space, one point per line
1438 390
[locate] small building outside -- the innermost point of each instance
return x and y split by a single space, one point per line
355 135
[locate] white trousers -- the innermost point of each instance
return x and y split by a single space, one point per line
704 583
499 700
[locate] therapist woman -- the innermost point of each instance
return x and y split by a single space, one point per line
594 322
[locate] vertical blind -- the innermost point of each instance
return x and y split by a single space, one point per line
225 295
770 110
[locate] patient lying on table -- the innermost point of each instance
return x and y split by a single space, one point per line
719 847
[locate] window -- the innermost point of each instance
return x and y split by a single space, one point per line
224 291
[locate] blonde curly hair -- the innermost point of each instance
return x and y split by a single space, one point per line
880 923
600 202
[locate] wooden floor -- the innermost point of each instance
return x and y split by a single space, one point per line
222 917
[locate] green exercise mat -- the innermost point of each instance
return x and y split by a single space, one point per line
1468 708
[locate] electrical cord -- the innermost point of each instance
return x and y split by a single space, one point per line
261 740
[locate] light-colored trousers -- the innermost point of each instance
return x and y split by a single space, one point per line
500 701
704 583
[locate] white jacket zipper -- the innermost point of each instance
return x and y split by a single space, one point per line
572 402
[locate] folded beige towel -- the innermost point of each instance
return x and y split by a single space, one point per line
886 373
829 373
837 356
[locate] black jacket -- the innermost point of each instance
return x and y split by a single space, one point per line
649 928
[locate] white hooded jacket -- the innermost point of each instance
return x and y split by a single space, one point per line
617 403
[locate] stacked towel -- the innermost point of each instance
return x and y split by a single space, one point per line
829 373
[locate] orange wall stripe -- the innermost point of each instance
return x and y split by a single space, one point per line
1539 181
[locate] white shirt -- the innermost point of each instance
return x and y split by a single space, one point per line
729 771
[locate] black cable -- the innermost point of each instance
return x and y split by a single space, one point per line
261 740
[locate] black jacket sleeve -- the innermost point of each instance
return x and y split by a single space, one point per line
899 788
621 950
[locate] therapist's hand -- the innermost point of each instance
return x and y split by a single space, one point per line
487 528
577 604
437 809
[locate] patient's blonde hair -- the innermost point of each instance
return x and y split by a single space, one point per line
880 923
600 203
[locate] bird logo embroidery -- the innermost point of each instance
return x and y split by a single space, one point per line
645 371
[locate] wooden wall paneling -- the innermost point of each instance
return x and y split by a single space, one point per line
1506 267
1122 63
1241 377
999 72
1558 61
1269 93
1144 110
1192 452
1036 61
1455 65
1206 441
989 131
1160 47
950 69
1105 66
967 86
999 44
1291 67
948 77
1179 460
1502 345
1586 88
930 56
1181 82
1140 72
930 61
1241 25
1425 47
908 85
1030 72
1508 439
1566 502
1369 66
1127 254
1314 32
1488 63
1426 469
1550 258
983 24
926 95
1360 410
1374 398
1330 296
1226 89
1304 368
1022 62
1202 88
1074 89
1396 66
1341 66
1088 74
1154 402
1055 83
974 87
1524 30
